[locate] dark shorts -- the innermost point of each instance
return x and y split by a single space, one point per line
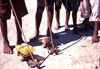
41 3
5 8
69 5
58 5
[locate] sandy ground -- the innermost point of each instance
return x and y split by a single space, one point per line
77 52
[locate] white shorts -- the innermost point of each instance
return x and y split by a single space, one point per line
93 5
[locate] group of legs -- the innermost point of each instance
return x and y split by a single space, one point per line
38 18
87 8
40 8
70 5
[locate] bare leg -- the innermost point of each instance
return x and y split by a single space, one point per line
67 19
95 35
50 16
38 22
74 16
19 33
3 23
57 20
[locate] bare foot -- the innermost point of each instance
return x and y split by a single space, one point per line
7 49
95 38
34 37
66 28
85 30
56 27
53 35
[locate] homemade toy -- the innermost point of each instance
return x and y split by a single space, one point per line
47 43
23 51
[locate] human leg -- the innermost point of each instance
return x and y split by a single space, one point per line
19 33
57 20
95 35
57 14
20 12
74 16
68 9
38 18
3 23
87 26
67 19
74 7
50 17
95 7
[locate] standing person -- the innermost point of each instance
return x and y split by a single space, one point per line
5 14
94 6
70 5
38 18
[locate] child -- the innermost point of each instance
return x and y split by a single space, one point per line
94 6
5 13
70 5
40 9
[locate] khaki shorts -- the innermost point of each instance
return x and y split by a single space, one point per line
5 8
93 5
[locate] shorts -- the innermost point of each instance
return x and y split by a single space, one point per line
93 5
74 4
58 5
5 8
70 5
41 3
